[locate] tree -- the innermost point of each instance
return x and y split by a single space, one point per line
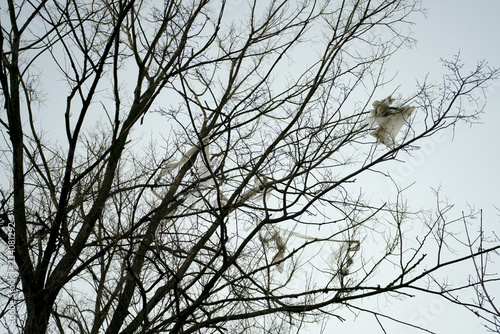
481 280
212 226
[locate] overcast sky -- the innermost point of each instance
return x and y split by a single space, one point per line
465 167
464 163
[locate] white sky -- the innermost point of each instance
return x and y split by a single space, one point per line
465 164
464 167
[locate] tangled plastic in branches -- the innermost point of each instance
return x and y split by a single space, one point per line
388 120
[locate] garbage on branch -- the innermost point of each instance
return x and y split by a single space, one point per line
388 120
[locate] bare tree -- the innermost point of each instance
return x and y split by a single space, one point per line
482 281
245 212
